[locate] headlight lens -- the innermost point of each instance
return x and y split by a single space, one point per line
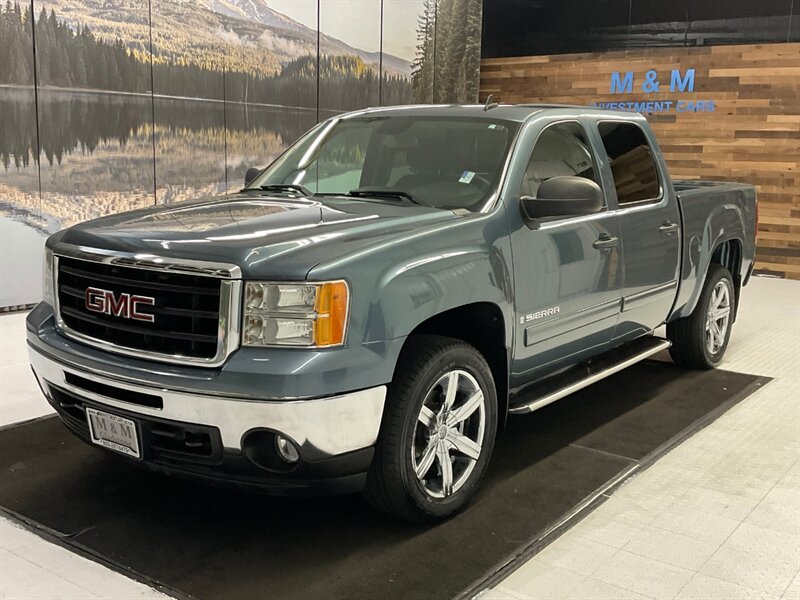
48 293
278 314
261 330
279 297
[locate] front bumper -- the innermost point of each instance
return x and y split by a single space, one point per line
196 433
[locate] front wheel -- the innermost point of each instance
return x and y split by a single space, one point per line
700 340
438 431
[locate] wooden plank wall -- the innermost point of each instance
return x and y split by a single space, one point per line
753 136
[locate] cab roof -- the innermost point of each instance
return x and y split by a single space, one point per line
508 112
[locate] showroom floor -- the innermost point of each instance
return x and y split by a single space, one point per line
718 517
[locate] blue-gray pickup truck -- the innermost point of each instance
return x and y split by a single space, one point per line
366 313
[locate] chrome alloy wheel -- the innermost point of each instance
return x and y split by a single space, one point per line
449 433
718 317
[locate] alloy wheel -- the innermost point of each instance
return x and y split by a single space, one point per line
449 433
718 317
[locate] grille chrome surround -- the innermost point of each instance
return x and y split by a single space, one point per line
230 296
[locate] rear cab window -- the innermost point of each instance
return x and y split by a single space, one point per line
632 161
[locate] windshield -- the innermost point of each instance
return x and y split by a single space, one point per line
439 162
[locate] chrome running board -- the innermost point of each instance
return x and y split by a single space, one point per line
558 386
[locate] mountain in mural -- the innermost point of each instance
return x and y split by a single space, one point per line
243 35
271 70
259 11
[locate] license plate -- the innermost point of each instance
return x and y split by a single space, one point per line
113 432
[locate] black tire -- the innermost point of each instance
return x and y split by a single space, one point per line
688 335
392 484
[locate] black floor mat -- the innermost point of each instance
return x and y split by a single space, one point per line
216 542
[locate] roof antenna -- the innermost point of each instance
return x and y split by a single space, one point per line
489 104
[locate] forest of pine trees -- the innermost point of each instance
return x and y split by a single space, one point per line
446 67
77 59
64 57
16 65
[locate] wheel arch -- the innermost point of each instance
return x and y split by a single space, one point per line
729 255
482 325
728 252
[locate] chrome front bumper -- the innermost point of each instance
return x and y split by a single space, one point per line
321 428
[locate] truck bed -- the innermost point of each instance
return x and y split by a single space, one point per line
690 189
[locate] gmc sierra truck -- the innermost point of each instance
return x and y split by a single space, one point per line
369 309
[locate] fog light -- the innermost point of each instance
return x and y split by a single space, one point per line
286 449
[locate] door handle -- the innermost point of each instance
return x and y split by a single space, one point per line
668 227
605 242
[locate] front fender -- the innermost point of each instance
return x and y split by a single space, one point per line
399 284
408 294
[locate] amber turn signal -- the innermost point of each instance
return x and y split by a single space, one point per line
331 308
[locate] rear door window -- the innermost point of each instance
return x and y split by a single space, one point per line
632 162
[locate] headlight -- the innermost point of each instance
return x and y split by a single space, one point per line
283 314
48 293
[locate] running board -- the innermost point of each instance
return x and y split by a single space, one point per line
574 379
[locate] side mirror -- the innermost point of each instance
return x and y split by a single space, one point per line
564 196
251 174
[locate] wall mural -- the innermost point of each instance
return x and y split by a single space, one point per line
143 101
22 222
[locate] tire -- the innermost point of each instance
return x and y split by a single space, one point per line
411 439
694 343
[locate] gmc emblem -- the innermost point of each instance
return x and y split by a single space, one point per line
122 305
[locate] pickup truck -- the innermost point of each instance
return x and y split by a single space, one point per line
366 313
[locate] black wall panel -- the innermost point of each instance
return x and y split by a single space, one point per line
540 27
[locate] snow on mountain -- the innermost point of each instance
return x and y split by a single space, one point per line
257 10
260 12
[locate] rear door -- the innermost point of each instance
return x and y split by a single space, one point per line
567 273
649 222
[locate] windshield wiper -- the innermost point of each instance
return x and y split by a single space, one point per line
287 187
378 192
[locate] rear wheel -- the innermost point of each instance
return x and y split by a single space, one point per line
438 431
700 340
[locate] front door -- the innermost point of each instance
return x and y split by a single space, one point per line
650 226
567 273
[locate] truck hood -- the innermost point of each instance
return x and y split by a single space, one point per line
268 236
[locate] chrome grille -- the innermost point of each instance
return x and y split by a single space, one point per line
194 316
